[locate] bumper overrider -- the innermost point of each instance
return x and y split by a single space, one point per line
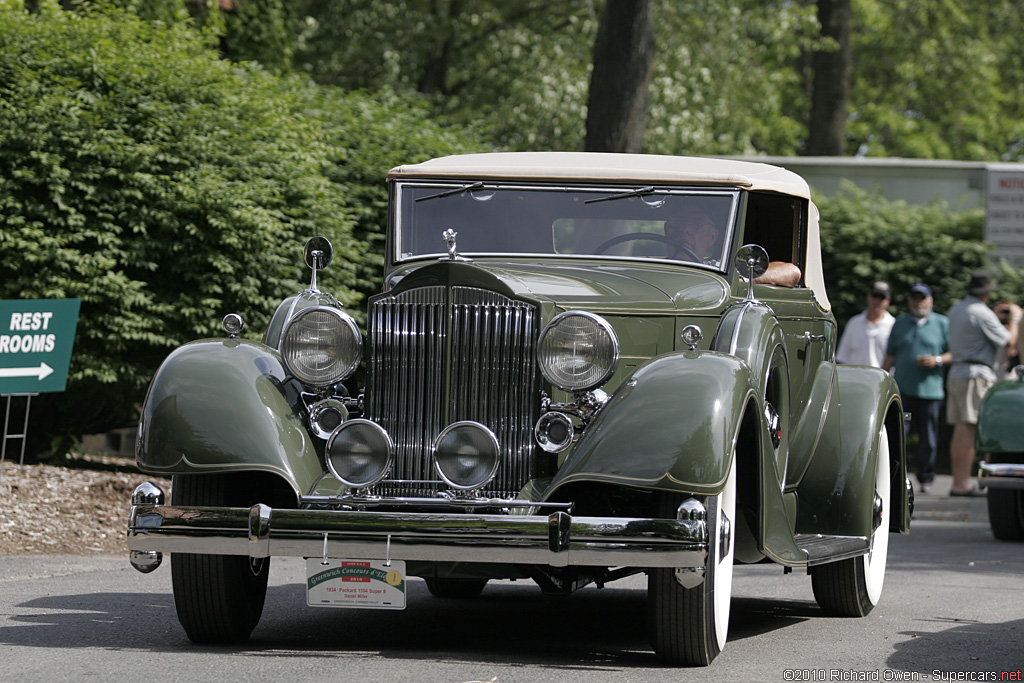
557 539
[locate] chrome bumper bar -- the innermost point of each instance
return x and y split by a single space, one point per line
1001 475
558 539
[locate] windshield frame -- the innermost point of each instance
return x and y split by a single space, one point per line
411 195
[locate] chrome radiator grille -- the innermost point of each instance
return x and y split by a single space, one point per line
440 355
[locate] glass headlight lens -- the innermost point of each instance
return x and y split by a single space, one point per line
466 455
578 351
321 346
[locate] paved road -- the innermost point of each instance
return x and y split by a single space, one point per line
952 609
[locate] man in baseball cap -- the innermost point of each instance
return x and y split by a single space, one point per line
867 333
917 352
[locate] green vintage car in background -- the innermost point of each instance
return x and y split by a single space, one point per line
1000 445
582 367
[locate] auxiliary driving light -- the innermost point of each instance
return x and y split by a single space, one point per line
327 415
359 453
466 455
554 432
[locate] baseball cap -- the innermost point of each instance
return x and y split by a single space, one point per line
922 289
881 288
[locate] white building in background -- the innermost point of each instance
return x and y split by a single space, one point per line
998 188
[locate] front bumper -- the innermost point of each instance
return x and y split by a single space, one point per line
558 539
1001 475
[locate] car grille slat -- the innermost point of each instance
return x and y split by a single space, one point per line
439 356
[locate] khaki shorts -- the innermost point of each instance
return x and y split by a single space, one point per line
963 398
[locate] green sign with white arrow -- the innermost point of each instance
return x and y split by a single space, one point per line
36 338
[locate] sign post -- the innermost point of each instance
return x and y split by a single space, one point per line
36 338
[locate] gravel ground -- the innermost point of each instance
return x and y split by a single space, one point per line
80 510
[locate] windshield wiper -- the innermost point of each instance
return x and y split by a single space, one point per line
622 195
455 190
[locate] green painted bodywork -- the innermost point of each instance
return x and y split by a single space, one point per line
998 429
837 489
217 405
668 427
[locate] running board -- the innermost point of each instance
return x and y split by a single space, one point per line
824 549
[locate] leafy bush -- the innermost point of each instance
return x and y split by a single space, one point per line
865 237
165 188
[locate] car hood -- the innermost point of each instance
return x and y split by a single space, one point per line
595 286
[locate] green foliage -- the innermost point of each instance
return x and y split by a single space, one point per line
519 70
261 31
162 186
936 79
865 237
166 187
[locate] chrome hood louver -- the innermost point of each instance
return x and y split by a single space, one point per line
440 354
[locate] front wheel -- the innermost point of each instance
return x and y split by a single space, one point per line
219 598
1006 513
689 626
852 588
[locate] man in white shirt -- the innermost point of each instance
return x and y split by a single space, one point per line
867 334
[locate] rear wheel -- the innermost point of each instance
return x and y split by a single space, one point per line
1006 513
852 588
219 598
689 626
456 588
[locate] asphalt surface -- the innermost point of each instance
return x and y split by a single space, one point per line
952 609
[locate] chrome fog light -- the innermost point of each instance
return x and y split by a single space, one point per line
359 453
326 416
554 432
466 455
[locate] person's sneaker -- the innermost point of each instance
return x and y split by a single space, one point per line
926 487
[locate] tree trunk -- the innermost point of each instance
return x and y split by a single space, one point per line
830 92
619 85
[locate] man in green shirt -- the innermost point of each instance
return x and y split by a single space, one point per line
917 350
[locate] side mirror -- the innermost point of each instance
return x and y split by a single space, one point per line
318 254
751 263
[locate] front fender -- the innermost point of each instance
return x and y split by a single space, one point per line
216 405
998 429
671 426
837 491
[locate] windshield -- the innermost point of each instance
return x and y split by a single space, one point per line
690 225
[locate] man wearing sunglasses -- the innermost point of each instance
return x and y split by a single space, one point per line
866 334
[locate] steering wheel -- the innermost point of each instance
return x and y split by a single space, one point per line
631 236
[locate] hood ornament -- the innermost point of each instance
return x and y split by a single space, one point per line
449 238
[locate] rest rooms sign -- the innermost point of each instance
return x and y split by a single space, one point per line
36 337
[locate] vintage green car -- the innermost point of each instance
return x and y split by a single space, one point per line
1001 447
582 367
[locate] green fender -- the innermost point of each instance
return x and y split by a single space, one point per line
216 405
751 332
670 426
998 427
837 491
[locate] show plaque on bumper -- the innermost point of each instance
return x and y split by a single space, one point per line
558 539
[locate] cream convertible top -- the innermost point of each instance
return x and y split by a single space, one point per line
642 168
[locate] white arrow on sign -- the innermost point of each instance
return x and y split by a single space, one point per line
42 371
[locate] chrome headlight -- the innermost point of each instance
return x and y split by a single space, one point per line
578 351
359 453
466 455
321 346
